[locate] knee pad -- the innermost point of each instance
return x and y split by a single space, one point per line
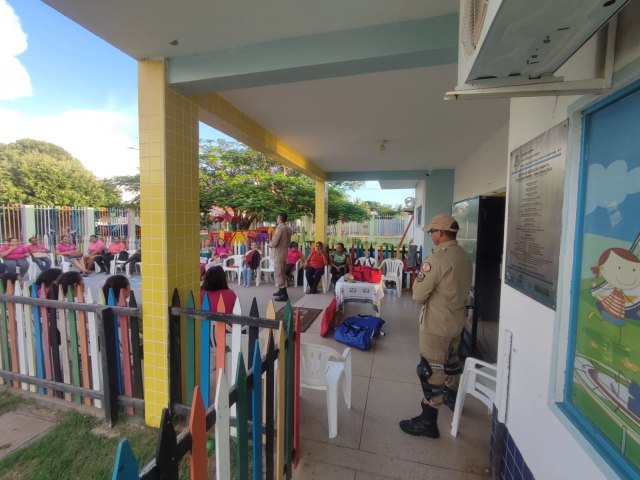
425 371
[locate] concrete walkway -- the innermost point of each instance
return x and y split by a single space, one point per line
385 390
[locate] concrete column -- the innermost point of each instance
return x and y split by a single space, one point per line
438 198
169 219
321 216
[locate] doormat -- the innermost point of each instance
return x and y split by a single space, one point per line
307 316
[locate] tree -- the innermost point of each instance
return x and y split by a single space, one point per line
129 185
41 173
382 208
250 187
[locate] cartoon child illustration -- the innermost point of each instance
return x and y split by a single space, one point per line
619 296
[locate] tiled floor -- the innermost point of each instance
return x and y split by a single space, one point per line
385 390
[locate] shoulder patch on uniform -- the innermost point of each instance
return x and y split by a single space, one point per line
426 267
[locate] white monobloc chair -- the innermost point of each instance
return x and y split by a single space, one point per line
267 267
367 261
392 272
479 380
326 279
323 368
120 264
233 264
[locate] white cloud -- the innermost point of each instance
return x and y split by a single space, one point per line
99 139
614 183
14 81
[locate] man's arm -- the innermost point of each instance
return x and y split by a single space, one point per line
426 281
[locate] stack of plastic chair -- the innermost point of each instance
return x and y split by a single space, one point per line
323 368
478 380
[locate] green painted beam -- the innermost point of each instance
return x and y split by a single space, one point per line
409 44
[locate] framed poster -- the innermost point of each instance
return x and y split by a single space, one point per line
603 391
536 180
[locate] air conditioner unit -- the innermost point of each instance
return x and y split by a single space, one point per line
517 42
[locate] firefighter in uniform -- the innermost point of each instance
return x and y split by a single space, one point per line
442 286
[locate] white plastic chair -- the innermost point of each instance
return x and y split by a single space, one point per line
392 272
367 261
479 380
323 368
115 264
266 266
295 271
326 279
233 264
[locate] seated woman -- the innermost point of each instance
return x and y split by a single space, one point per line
251 263
70 254
39 254
206 252
215 286
339 261
15 255
114 250
96 248
293 255
69 280
221 251
48 277
316 261
7 277
119 284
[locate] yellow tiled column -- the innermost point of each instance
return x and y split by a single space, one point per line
169 219
321 216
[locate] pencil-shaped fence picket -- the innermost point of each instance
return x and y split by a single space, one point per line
259 409
70 347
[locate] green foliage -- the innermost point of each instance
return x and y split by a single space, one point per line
252 187
382 208
40 173
130 185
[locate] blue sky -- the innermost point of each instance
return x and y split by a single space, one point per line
62 84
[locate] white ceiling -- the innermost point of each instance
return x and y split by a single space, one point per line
337 123
144 28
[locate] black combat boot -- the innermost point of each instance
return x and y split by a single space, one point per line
282 297
425 424
449 397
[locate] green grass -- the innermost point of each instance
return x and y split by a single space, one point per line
71 450
81 446
9 402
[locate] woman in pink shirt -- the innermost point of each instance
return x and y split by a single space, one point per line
70 254
96 248
39 254
113 251
293 255
222 250
15 255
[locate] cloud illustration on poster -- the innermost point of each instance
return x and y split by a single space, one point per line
614 184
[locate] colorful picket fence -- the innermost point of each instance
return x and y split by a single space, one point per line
260 414
70 347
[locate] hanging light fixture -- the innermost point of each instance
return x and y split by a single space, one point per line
383 145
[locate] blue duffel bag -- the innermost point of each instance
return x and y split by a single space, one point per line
358 331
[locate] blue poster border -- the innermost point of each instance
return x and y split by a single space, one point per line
600 443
